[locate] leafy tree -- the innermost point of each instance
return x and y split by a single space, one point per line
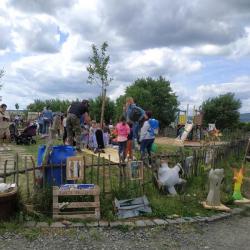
54 104
95 106
156 96
222 110
98 72
17 106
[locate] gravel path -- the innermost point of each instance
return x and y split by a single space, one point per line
232 233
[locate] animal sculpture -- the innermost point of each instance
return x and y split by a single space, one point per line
169 177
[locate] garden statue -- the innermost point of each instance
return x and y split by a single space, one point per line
169 177
213 199
238 179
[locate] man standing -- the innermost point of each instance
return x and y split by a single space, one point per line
73 127
4 123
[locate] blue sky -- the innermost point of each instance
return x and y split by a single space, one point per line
202 47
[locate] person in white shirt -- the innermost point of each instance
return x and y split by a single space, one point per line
147 137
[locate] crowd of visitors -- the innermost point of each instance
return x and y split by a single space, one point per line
136 129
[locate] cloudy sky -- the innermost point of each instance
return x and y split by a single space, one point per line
202 47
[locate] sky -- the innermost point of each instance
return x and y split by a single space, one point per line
201 47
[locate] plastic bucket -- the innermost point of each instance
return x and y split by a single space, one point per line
56 173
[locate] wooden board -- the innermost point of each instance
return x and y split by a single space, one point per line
219 208
242 202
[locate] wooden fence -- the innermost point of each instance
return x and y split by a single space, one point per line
111 177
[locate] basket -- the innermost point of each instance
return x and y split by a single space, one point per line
8 203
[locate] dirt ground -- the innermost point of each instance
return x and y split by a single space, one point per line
232 233
179 143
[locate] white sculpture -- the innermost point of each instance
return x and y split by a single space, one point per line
169 177
213 199
215 178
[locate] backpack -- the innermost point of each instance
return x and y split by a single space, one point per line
154 127
135 114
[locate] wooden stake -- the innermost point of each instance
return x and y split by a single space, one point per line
27 176
5 166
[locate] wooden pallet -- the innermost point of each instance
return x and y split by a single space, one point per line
81 209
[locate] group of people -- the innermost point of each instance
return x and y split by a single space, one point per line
135 126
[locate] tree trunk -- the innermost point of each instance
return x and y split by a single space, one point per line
103 105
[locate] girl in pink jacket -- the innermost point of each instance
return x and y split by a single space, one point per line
123 131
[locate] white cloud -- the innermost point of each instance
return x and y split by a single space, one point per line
240 86
45 45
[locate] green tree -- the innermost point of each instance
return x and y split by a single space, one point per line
98 72
222 110
54 104
95 106
155 95
17 106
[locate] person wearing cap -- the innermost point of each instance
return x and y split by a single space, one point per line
4 123
73 127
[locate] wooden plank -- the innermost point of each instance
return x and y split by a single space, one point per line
74 216
77 192
5 165
27 177
79 205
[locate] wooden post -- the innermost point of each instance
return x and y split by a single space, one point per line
27 176
103 175
98 168
34 173
84 169
17 170
14 175
91 173
110 178
5 170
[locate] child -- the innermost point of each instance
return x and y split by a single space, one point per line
123 131
99 139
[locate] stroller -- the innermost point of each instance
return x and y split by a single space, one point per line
26 136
